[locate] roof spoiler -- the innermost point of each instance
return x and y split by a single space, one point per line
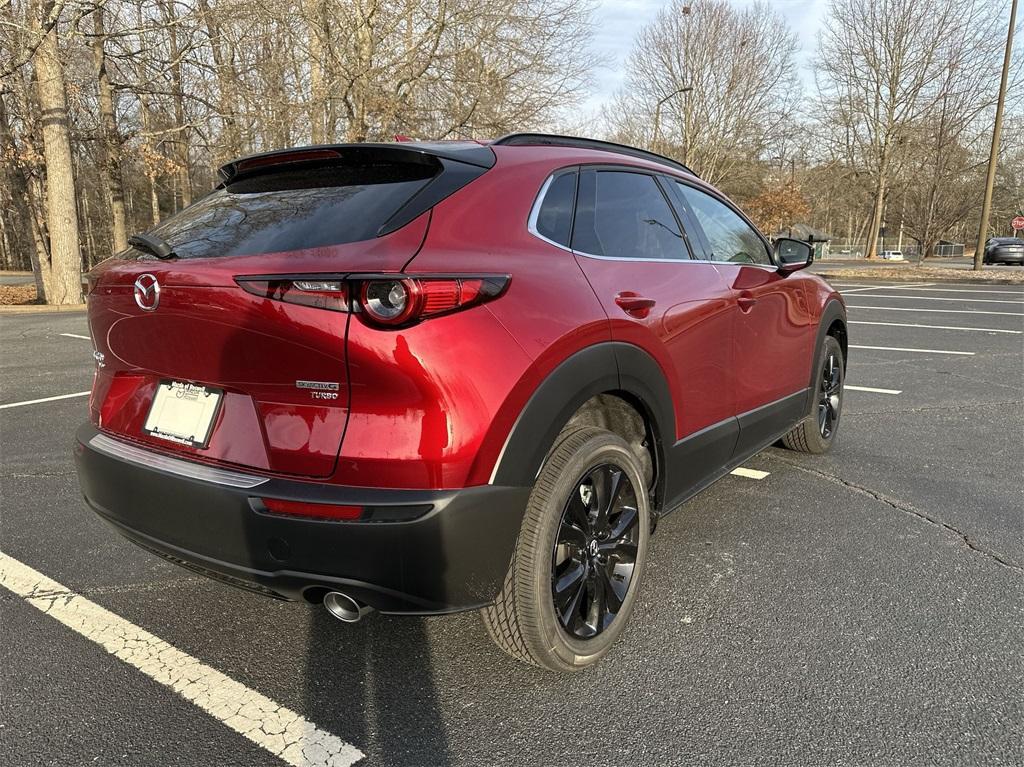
469 153
456 164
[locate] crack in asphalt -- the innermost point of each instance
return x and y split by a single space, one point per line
275 728
909 510
119 589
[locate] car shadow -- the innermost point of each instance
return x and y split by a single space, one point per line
371 684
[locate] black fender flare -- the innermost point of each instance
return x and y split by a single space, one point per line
833 310
605 367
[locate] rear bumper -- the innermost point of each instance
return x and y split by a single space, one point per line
1005 257
453 556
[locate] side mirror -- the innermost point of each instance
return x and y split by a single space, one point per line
792 255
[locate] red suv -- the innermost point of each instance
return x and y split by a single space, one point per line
429 377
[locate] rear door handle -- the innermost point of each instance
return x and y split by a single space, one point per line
634 305
746 301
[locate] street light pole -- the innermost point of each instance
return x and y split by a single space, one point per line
990 180
661 103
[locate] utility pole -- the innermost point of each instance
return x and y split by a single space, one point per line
990 181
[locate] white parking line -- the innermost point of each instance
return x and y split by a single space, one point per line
862 288
1004 286
281 731
904 349
949 290
935 327
942 311
943 298
750 473
872 389
44 399
76 335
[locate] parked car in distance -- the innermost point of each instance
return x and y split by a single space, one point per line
428 377
1004 250
891 255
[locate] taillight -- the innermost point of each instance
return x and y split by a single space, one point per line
309 291
389 302
380 300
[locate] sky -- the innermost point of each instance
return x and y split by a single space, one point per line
618 21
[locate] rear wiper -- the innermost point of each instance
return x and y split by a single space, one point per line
152 244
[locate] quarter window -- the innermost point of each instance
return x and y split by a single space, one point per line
554 220
730 238
625 215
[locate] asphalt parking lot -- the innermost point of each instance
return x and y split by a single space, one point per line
863 608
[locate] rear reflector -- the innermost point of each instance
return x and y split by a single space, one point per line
313 510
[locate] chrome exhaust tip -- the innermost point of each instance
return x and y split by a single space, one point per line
345 608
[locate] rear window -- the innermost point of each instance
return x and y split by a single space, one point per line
554 219
295 208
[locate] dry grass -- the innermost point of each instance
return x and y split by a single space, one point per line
916 273
13 295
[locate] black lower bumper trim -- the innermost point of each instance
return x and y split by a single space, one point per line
453 557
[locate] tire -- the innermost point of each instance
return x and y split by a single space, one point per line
813 435
524 621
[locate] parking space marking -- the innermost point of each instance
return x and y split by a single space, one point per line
933 327
949 290
925 309
44 399
862 288
76 335
872 389
905 349
279 730
923 286
944 298
750 473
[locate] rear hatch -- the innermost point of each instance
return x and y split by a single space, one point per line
190 363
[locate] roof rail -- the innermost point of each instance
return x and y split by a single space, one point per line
552 139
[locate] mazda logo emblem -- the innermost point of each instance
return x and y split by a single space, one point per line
147 292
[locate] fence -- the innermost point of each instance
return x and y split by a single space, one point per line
842 249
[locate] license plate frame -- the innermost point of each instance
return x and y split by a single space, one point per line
183 413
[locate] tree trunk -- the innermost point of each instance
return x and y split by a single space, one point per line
877 208
183 173
231 140
19 239
317 77
110 159
65 284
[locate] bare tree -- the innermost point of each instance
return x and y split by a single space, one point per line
110 161
62 272
880 72
709 84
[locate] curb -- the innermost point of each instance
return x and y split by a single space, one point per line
41 309
850 274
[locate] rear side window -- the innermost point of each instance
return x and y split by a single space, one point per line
554 219
625 215
730 238
294 208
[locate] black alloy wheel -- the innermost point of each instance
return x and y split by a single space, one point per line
595 551
829 395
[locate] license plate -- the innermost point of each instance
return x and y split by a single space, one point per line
183 413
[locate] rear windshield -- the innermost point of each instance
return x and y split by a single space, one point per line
294 208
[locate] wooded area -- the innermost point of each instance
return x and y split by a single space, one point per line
115 114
